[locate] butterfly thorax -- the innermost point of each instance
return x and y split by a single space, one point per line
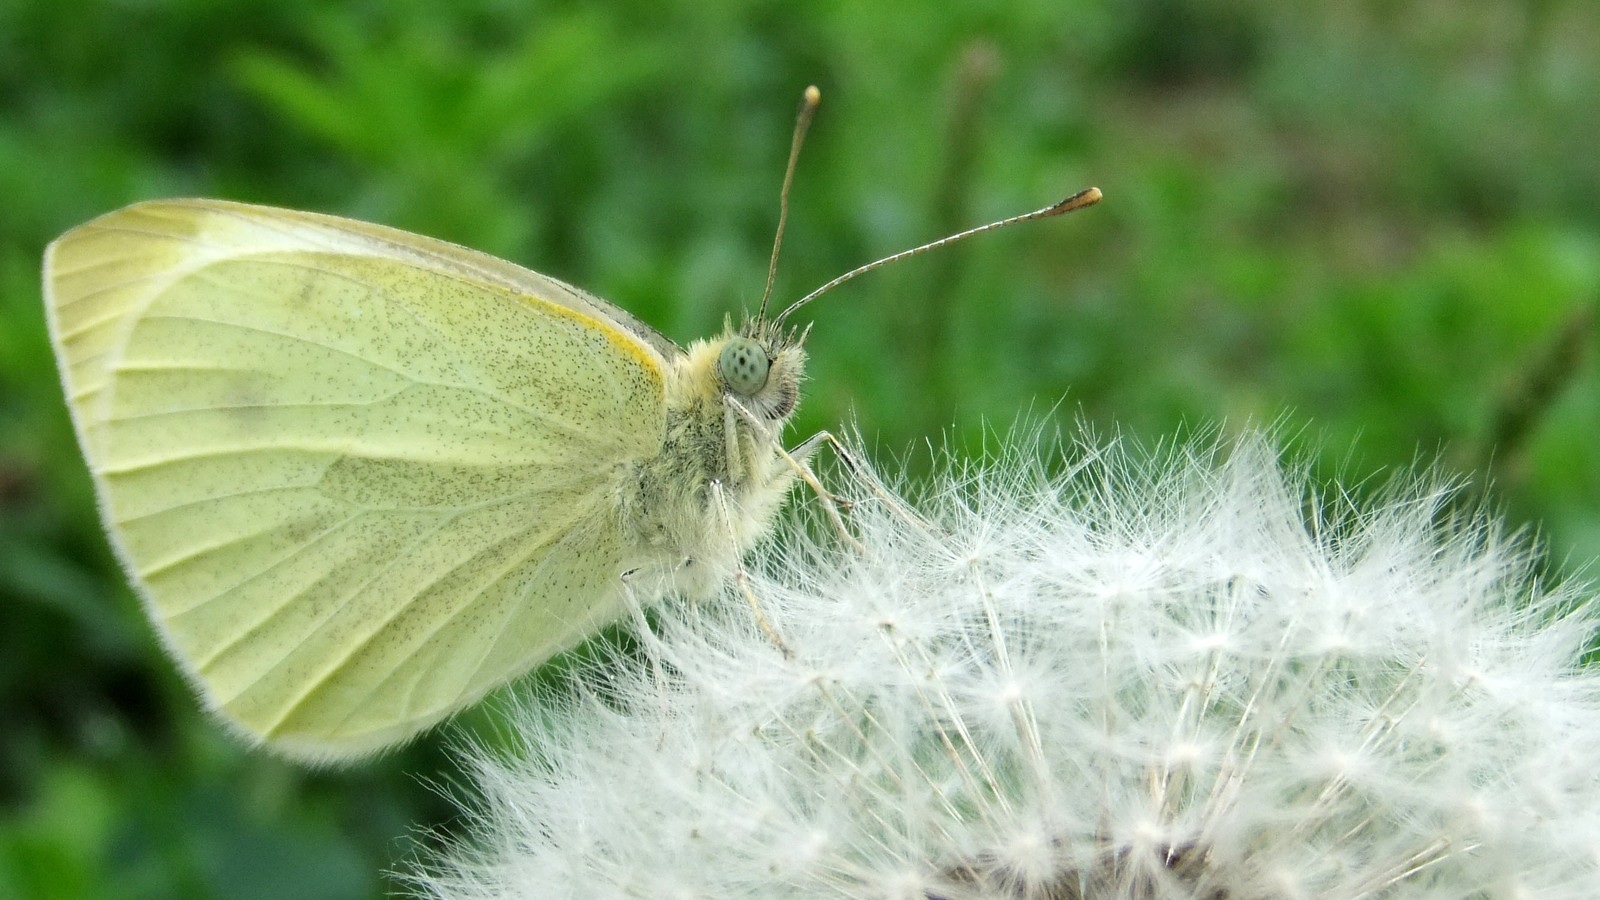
719 480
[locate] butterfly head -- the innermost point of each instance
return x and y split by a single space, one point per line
760 365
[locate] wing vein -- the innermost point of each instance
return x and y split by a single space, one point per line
544 418
308 544
549 538
500 634
545 484
328 671
337 607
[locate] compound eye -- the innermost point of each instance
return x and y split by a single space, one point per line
743 366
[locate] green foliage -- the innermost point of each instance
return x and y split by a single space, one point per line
1378 224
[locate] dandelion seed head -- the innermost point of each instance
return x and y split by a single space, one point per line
1181 675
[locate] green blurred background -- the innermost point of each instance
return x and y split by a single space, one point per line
1374 224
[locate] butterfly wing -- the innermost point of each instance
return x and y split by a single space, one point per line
359 477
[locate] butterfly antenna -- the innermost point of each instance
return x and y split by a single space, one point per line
1083 198
808 111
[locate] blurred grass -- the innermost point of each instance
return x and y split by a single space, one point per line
1376 224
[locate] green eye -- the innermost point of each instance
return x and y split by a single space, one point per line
743 366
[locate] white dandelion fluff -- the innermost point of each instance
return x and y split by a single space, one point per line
1181 677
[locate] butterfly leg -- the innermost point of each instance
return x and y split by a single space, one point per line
796 461
741 578
863 474
831 502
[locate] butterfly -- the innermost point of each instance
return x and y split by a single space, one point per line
361 477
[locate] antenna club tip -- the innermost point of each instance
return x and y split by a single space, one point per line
1085 197
812 95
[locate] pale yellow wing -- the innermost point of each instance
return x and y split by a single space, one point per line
360 477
